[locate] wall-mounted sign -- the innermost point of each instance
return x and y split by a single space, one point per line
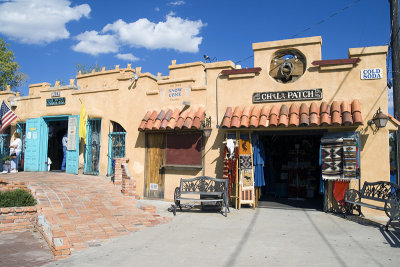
55 101
55 94
174 92
298 95
72 125
371 74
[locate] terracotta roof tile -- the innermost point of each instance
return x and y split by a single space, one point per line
235 122
226 121
198 118
166 119
150 121
283 116
336 114
172 119
158 120
255 116
264 115
189 118
245 118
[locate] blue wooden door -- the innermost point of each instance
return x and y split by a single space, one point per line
116 149
92 148
34 159
72 162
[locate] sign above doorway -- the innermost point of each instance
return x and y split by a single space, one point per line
297 95
55 101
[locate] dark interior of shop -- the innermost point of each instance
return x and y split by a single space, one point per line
291 172
57 129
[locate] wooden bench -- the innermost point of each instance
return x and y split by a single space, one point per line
384 192
207 188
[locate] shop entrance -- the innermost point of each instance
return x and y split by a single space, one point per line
291 171
57 129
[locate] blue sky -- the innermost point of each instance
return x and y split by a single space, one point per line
49 37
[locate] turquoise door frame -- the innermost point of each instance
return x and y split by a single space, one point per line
72 163
37 137
92 148
116 149
35 157
4 147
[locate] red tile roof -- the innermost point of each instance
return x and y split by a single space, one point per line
173 119
336 114
328 62
241 71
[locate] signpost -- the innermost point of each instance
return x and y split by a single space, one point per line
298 95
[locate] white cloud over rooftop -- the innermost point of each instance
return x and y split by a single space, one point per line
38 21
174 33
91 42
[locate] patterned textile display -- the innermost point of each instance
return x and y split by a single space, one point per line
332 158
229 171
247 178
244 147
245 162
247 194
349 158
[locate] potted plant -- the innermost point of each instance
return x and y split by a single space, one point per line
6 163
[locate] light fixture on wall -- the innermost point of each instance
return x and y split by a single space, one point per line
379 119
206 126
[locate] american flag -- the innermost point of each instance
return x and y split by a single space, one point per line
6 115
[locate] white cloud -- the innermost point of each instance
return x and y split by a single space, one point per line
91 42
38 21
174 33
176 3
127 57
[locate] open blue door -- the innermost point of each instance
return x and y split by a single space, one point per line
34 156
72 162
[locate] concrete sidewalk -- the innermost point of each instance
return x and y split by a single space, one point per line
274 237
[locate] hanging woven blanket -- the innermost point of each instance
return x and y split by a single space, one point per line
349 158
332 158
230 167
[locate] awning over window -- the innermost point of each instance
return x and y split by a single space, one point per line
298 115
173 119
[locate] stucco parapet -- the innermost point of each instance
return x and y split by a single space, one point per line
176 80
60 88
148 75
287 42
199 88
186 65
22 98
39 85
364 51
104 72
8 93
80 92
221 65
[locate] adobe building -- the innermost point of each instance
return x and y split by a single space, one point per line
178 125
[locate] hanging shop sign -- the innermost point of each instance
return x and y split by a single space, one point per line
55 94
72 127
55 101
371 74
298 95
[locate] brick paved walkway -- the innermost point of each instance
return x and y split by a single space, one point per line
81 211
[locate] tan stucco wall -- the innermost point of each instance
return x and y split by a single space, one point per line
113 96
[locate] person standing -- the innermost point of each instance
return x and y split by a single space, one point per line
64 144
15 151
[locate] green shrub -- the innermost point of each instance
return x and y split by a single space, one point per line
16 198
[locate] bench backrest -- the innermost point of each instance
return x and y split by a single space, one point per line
204 184
379 191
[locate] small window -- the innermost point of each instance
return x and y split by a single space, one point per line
287 66
184 149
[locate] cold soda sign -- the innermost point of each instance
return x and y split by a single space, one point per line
371 74
174 92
